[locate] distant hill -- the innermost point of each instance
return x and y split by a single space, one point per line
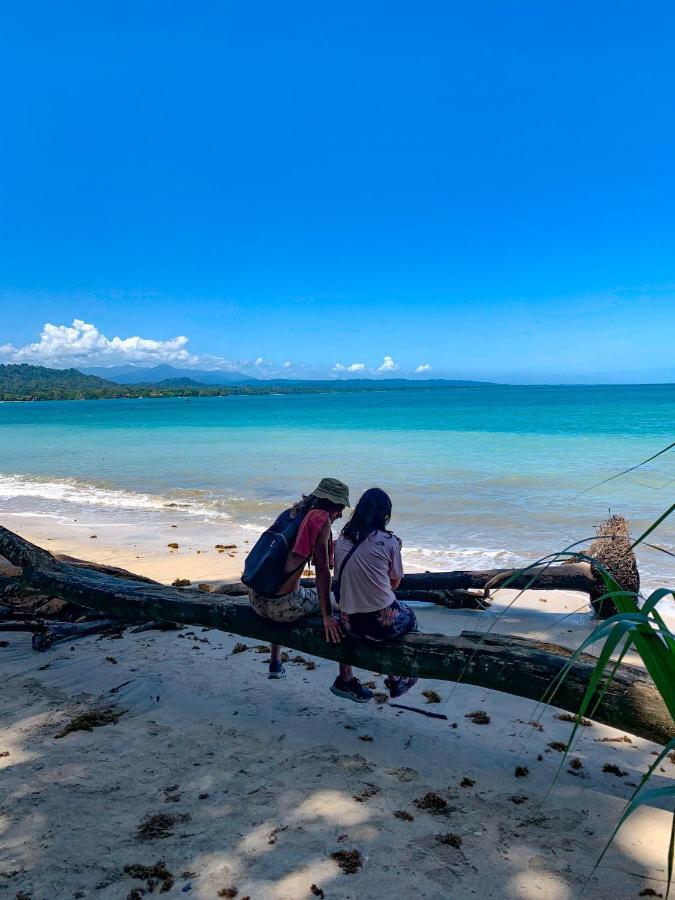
23 382
375 383
156 374
178 382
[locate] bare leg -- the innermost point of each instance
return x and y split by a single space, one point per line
346 672
275 655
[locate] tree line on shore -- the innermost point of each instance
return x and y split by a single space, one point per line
25 382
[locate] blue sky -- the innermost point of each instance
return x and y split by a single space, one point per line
484 188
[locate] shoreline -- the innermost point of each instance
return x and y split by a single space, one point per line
145 550
337 386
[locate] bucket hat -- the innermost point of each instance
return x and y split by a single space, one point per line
332 489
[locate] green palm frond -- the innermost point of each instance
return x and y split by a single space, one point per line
644 629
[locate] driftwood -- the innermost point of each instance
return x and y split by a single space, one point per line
572 577
21 601
504 663
30 625
55 632
451 599
45 634
422 712
453 589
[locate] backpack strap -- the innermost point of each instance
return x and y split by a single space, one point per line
290 546
338 580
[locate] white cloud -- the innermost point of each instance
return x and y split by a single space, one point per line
260 361
82 344
424 367
388 365
287 365
355 367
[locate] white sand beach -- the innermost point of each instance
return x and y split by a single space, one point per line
259 783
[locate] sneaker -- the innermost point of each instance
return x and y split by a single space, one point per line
276 670
398 686
351 690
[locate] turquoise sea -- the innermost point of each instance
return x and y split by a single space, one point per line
479 476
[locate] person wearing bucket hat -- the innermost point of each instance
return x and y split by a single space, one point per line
332 489
273 571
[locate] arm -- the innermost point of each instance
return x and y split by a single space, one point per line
396 564
321 554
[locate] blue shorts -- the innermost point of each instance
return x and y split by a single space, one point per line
382 624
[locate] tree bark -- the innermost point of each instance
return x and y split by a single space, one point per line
55 632
452 589
451 599
499 662
567 577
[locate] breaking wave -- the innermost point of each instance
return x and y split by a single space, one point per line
60 494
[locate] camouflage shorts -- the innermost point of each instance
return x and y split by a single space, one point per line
287 608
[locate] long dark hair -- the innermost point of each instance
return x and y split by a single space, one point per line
303 506
372 513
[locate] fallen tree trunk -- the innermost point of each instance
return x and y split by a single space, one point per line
56 632
569 577
504 663
29 625
610 550
451 599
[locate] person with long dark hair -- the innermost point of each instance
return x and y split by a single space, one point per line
369 568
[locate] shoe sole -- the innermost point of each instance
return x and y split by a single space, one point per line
398 693
347 695
276 676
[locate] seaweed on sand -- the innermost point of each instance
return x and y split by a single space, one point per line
569 717
432 696
93 718
151 875
613 769
451 839
159 825
478 716
432 803
350 861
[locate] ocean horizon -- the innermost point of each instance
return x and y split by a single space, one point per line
480 476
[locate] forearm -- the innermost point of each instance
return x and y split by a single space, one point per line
323 586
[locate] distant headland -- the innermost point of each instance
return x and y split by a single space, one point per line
25 383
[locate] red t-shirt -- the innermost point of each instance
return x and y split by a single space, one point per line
310 529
